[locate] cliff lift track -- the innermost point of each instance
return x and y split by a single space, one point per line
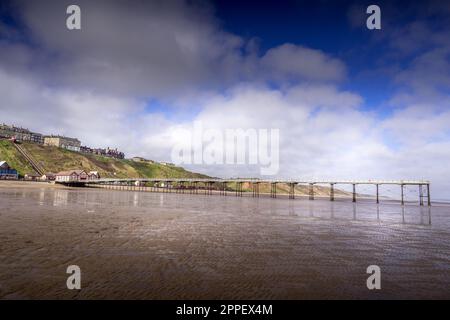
34 164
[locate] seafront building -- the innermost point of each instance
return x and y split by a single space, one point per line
6 172
32 177
71 176
48 177
76 176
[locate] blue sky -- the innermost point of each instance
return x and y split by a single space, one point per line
319 24
349 102
327 25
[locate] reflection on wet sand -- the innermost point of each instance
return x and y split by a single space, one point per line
148 245
324 210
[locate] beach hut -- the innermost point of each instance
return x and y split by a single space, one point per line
32 177
72 176
48 177
6 172
93 175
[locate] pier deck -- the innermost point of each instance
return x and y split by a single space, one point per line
216 184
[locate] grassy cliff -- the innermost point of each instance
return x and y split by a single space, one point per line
55 159
9 154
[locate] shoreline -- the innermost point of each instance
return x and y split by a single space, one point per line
246 194
144 245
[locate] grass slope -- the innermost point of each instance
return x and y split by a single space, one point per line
55 159
10 154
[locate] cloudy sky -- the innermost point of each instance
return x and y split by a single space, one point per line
349 102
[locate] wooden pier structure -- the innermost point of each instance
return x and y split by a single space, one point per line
220 186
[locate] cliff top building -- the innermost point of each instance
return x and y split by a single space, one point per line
63 142
20 134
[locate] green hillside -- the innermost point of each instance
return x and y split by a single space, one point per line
9 154
54 159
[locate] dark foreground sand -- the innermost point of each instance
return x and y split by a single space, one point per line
169 246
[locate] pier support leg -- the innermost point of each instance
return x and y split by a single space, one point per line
403 197
291 191
311 191
238 189
331 191
273 190
354 192
420 195
378 194
428 195
255 186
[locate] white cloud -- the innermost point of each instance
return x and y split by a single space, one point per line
291 62
94 85
152 49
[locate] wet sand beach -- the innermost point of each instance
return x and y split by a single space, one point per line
142 245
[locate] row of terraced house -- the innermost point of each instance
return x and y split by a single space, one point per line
73 144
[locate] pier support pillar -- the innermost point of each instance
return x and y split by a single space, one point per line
311 191
428 195
331 191
420 195
354 192
402 193
238 189
378 194
255 189
292 191
273 190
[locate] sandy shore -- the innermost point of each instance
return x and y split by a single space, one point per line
29 184
135 245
